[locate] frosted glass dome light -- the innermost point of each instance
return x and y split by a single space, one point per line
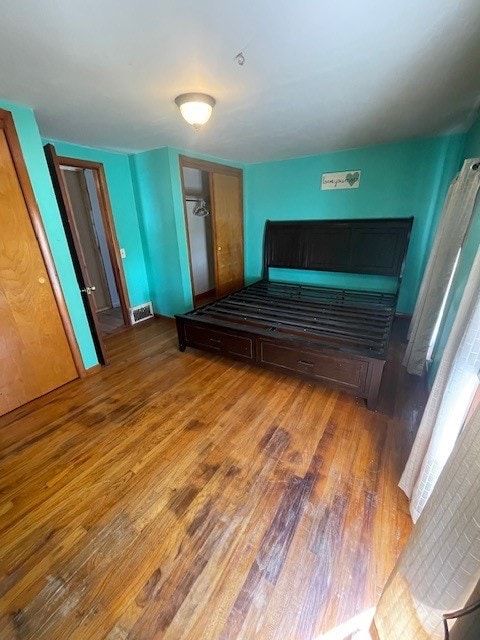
196 108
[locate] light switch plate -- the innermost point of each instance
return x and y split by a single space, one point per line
123 253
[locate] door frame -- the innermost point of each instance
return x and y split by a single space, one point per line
7 124
76 253
113 246
55 163
209 167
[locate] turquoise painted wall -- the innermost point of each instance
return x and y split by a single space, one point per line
153 190
472 141
398 180
158 194
403 179
32 150
122 199
467 256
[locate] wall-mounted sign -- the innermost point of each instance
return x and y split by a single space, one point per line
341 180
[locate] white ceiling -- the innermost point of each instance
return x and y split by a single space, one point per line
318 76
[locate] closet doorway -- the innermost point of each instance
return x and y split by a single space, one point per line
213 205
82 195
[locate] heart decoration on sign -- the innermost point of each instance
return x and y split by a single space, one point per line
351 178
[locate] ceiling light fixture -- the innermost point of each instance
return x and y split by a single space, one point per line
196 108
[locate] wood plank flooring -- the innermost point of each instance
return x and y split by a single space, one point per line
184 496
110 320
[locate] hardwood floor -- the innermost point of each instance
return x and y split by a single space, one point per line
110 320
180 495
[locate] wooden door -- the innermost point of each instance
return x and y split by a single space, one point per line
35 355
85 283
81 209
227 212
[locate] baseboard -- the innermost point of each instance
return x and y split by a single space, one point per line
158 316
93 370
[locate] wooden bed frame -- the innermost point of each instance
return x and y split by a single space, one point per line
336 336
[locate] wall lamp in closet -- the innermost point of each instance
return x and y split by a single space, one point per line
196 108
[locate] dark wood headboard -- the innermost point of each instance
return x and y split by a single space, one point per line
375 246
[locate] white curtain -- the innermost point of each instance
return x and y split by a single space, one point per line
457 213
439 567
452 392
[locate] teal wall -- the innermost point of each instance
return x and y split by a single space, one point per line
158 193
472 141
402 179
467 256
32 150
398 180
152 175
120 189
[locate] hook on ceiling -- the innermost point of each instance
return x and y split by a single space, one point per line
240 59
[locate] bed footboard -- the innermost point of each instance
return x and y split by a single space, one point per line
360 375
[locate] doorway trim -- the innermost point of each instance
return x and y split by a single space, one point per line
7 124
209 167
100 179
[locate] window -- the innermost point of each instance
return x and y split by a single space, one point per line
438 323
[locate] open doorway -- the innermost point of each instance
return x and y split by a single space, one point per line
200 234
81 190
213 206
83 196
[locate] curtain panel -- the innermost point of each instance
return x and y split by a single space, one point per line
456 216
453 390
439 568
